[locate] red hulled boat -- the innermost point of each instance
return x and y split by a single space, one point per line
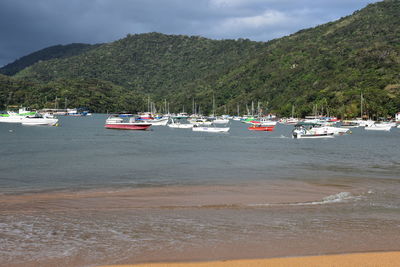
118 124
127 126
261 128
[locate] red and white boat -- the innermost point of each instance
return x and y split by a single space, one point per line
119 124
261 128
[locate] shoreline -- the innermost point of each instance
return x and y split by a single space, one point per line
381 259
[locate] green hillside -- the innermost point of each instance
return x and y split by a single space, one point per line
99 96
330 65
153 62
327 67
57 51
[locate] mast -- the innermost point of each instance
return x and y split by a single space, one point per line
213 114
362 104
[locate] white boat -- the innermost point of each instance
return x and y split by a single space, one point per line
38 119
309 130
200 121
290 121
336 130
210 129
379 127
220 121
267 122
15 117
365 123
153 122
179 125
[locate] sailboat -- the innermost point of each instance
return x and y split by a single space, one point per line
218 120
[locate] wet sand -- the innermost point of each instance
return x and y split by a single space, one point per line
378 259
212 196
202 223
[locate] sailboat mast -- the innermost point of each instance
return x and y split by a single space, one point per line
362 100
213 114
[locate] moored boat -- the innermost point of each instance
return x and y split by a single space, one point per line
261 128
379 127
179 125
38 119
310 130
118 124
16 117
210 129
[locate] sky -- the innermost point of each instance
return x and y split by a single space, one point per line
30 25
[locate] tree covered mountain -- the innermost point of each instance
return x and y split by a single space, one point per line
327 67
57 51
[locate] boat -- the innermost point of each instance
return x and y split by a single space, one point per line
179 125
119 124
379 127
182 115
15 117
149 118
261 128
350 124
39 119
264 122
220 121
200 121
336 130
310 130
76 112
210 129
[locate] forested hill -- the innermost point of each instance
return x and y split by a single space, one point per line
57 51
153 62
328 66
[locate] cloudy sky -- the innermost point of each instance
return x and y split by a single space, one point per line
29 25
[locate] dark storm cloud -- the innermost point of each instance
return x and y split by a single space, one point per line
30 25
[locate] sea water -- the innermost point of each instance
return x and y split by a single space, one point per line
81 195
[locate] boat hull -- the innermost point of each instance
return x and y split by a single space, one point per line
312 136
49 122
127 126
211 129
261 128
180 126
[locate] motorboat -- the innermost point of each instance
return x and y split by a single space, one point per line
336 130
220 121
379 127
310 130
200 121
115 122
151 121
179 125
15 117
350 124
210 129
38 119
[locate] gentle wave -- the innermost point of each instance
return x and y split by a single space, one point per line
336 198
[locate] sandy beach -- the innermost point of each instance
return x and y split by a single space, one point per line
378 259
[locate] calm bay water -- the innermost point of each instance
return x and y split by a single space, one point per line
80 195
